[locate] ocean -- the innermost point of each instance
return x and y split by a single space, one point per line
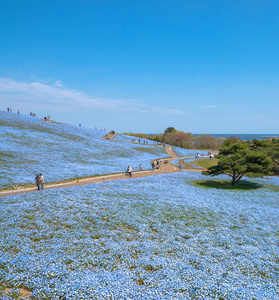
244 137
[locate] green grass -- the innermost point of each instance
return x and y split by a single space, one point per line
206 163
242 185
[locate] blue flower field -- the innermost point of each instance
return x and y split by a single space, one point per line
188 152
158 237
60 151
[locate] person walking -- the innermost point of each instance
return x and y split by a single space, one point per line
158 163
140 166
130 171
153 166
42 180
37 181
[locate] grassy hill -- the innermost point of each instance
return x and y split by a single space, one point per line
60 151
157 237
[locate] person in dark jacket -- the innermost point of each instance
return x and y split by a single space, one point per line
37 181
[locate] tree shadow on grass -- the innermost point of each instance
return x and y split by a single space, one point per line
242 185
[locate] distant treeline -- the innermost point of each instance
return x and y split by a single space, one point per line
268 148
182 139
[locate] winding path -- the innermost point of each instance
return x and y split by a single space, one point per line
164 168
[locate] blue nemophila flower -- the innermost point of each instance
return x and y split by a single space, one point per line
151 238
30 146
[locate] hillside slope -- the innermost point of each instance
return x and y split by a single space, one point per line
160 237
61 151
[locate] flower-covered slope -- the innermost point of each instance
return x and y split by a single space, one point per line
158 237
60 151
129 138
188 152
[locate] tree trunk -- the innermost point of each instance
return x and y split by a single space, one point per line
233 179
236 178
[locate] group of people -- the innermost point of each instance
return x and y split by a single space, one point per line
47 118
146 142
102 129
129 170
159 144
209 154
9 109
39 180
138 141
157 164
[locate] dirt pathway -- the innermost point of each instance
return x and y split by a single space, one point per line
170 152
110 136
164 168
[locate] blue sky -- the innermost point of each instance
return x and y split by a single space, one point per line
142 66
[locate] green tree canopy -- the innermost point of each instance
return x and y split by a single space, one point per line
271 148
169 130
237 159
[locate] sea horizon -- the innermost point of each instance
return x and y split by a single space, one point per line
241 136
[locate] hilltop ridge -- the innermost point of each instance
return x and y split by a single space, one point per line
62 151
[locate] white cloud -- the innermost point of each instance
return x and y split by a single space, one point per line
43 96
58 83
